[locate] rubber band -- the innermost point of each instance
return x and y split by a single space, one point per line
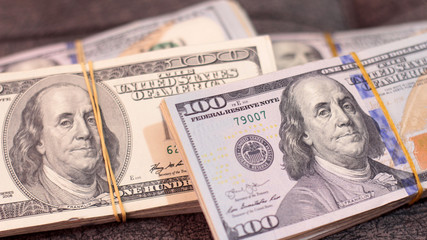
392 126
79 51
93 95
331 44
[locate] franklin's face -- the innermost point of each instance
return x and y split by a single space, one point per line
334 126
69 141
288 54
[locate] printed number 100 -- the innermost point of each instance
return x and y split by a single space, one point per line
250 118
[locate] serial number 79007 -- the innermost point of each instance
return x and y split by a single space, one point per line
244 119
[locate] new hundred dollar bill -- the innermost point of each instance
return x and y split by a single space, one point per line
203 23
292 49
51 169
305 151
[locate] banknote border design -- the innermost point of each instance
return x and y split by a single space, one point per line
160 65
129 70
28 208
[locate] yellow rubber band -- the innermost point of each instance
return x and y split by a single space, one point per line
79 51
331 44
93 95
392 126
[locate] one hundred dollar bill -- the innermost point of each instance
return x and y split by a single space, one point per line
208 22
51 170
306 151
292 49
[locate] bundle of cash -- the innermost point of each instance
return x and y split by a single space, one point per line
292 49
52 174
307 151
52 171
207 22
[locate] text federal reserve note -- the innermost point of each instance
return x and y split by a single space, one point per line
307 150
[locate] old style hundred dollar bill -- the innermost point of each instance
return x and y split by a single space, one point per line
51 169
292 49
207 22
305 151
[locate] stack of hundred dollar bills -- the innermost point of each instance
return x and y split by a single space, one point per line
306 151
52 172
234 145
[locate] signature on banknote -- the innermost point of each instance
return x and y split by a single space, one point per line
158 169
247 190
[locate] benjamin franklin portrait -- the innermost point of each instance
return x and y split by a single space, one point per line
289 53
329 145
56 152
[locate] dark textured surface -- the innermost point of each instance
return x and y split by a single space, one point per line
189 226
27 23
406 223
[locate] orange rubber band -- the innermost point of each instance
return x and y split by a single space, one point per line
93 95
392 126
331 44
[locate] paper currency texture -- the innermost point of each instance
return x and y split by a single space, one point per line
207 22
292 49
52 169
302 149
